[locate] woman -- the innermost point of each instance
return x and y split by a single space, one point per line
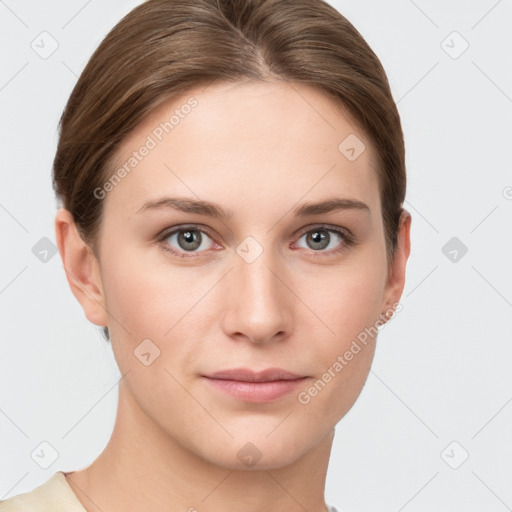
232 175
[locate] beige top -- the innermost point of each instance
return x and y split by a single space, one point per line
54 495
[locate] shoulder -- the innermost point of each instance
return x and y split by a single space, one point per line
54 495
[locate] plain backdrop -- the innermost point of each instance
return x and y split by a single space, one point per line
431 428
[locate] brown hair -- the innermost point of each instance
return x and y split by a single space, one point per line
165 47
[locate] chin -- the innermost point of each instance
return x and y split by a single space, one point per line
257 450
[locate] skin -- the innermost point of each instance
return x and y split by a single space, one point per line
259 149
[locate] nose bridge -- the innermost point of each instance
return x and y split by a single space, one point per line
257 280
258 308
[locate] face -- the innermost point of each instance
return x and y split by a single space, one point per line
257 279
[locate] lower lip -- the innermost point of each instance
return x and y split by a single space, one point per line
258 392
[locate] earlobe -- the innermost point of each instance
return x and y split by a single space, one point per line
81 267
396 275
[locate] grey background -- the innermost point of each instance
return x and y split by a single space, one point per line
440 387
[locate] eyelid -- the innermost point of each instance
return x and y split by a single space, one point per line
167 232
328 227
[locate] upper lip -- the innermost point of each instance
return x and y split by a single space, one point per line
248 375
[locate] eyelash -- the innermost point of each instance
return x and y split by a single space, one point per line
348 240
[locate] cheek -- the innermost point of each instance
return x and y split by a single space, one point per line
145 297
149 306
158 301
347 299
356 305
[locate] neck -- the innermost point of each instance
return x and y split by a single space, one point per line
142 468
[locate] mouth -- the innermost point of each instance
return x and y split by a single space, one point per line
257 387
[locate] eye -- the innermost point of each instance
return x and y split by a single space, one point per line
185 240
323 237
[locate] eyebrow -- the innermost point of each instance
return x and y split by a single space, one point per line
187 205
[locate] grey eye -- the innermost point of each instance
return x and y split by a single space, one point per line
321 238
189 239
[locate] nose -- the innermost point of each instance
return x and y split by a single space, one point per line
258 301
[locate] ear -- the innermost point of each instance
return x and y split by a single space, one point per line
82 268
396 269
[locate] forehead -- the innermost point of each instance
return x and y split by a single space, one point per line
256 141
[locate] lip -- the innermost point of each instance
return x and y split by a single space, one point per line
257 387
248 375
